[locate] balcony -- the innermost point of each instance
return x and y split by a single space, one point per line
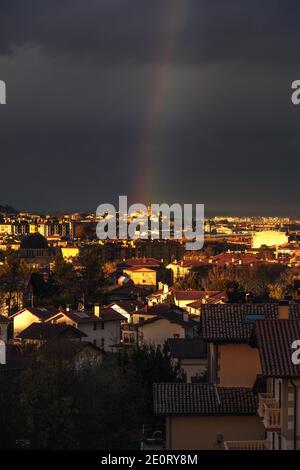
269 411
264 399
272 418
247 445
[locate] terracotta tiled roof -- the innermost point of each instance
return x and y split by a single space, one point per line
128 305
189 294
202 399
274 339
160 309
294 311
223 323
235 258
172 317
106 314
43 313
49 331
140 262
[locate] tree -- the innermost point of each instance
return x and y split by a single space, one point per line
64 279
151 365
90 274
191 281
266 253
12 276
48 404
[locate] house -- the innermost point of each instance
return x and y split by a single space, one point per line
28 315
161 295
102 327
168 321
147 313
193 299
227 328
279 406
234 258
202 416
39 333
15 293
210 297
80 354
191 354
126 307
179 269
142 276
150 263
126 292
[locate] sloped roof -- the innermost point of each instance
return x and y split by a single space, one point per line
160 309
223 323
294 311
140 262
87 316
189 294
128 305
34 241
42 313
274 339
49 331
188 348
166 311
67 349
202 399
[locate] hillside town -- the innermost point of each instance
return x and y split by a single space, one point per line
198 344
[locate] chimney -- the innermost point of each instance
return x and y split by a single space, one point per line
97 310
283 310
68 308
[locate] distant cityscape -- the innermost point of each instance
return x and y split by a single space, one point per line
214 327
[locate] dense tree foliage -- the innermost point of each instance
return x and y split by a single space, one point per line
55 406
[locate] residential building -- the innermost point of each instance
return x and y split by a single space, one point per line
269 238
279 406
203 416
142 276
28 315
40 333
102 327
191 355
227 328
80 354
127 308
193 299
164 293
168 322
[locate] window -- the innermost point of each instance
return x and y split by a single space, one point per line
95 326
102 343
176 336
102 325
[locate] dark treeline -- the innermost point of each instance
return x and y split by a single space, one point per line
54 406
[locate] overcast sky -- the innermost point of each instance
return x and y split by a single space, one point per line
160 100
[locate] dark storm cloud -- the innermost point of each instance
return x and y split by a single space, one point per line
112 31
82 77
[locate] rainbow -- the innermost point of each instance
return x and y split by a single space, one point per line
150 160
